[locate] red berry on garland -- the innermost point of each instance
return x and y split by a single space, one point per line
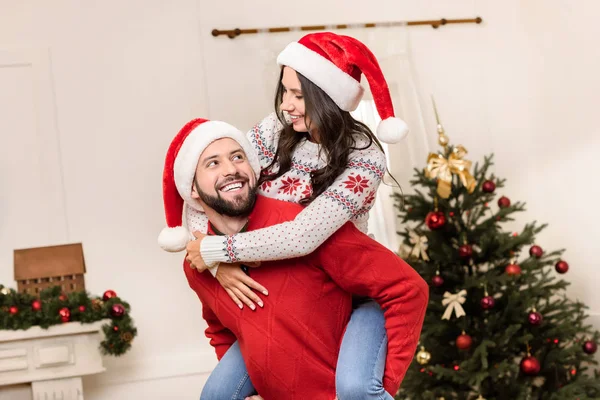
561 267
513 270
465 251
65 314
437 281
503 202
435 220
117 310
530 366
109 294
36 305
116 328
62 297
81 308
456 367
535 318
488 186
13 310
590 347
536 251
487 302
464 341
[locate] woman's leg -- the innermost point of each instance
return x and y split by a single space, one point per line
229 380
361 363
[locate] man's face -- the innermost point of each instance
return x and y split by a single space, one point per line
225 180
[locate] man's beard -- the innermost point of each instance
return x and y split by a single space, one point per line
240 208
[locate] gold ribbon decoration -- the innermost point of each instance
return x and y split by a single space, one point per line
442 169
419 245
453 303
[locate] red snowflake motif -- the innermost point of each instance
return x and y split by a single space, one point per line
307 192
369 199
357 183
289 185
265 186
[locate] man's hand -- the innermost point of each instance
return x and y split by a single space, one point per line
193 252
239 286
257 397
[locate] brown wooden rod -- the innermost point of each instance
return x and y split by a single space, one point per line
435 23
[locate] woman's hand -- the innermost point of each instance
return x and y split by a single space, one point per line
193 252
239 286
257 397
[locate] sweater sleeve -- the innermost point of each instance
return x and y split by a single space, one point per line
350 196
220 337
364 267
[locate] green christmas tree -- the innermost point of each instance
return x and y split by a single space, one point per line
498 325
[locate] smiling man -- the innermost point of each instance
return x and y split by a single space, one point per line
290 348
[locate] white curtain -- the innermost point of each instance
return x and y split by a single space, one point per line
391 46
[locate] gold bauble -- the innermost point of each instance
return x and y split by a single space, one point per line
423 356
443 139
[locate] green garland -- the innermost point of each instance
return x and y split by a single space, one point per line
22 311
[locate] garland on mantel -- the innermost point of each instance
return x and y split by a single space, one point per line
22 311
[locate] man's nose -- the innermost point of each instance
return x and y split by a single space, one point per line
229 168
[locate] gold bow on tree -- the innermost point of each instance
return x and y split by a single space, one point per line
419 245
442 169
454 304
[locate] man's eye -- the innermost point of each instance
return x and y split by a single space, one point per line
238 157
211 164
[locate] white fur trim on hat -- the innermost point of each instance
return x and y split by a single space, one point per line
174 239
194 144
392 130
343 89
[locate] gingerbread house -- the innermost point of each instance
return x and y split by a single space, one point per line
42 267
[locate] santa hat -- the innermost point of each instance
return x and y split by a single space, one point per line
334 63
180 169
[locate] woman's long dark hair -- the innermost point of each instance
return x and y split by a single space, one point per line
337 133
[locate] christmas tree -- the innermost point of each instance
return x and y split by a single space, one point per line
498 325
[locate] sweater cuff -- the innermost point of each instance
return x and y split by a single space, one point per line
212 250
213 270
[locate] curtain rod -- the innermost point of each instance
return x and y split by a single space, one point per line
233 33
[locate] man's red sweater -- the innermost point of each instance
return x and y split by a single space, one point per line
291 345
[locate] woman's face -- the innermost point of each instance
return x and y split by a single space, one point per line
292 101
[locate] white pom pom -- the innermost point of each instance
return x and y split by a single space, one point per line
174 239
392 130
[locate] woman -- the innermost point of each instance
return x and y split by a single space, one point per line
311 152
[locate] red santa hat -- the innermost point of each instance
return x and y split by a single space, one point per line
335 63
180 169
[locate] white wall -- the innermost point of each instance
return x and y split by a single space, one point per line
124 76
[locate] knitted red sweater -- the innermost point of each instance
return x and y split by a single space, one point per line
291 345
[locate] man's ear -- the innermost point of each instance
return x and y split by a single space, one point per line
195 194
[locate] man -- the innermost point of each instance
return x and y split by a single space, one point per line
291 346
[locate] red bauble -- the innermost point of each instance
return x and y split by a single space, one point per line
81 308
487 302
437 281
117 310
530 366
116 328
513 270
435 220
488 186
109 294
13 310
590 347
535 318
65 314
536 251
36 305
503 202
465 251
62 297
464 342
561 267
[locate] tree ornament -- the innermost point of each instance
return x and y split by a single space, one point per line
437 280
13 310
440 168
536 251
36 305
116 328
97 304
513 269
535 318
62 297
503 202
435 220
530 366
487 302
423 356
65 314
5 291
454 304
81 308
590 347
464 341
126 337
419 245
109 294
488 186
561 267
465 251
117 310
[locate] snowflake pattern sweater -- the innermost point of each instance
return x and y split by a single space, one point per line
349 198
